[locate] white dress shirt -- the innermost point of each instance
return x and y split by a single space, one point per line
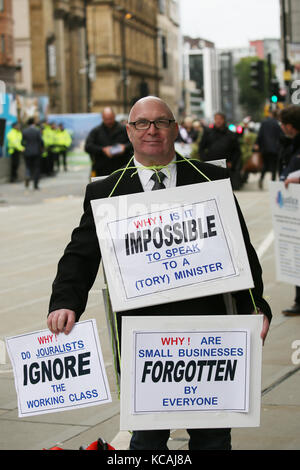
170 171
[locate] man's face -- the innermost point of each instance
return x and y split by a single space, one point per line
219 121
288 129
108 118
152 146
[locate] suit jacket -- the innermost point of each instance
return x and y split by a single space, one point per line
100 137
79 265
217 142
269 135
32 141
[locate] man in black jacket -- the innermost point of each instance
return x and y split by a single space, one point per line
33 143
108 145
219 142
268 141
152 130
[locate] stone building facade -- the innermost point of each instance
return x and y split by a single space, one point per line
7 65
88 54
169 54
122 43
58 53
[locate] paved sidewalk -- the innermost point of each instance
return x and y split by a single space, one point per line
35 227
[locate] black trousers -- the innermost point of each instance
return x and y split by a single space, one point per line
58 157
55 157
270 164
200 439
63 154
33 167
14 166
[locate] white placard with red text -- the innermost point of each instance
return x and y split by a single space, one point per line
58 372
190 371
171 245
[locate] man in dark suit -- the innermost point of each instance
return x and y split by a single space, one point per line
220 142
33 143
152 130
108 145
268 141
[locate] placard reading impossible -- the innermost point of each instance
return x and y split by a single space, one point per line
171 245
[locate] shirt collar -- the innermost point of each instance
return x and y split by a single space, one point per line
146 173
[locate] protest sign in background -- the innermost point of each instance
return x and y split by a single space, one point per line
190 372
58 372
285 207
182 243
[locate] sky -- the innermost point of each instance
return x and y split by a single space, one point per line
230 23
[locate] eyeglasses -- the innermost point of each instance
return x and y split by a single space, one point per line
143 124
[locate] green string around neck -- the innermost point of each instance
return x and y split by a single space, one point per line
121 176
155 168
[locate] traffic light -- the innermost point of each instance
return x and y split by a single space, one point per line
257 75
275 95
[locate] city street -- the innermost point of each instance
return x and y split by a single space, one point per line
35 227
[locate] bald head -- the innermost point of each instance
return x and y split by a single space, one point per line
108 117
147 102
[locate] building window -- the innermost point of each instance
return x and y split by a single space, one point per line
164 53
162 6
2 44
197 72
51 57
1 6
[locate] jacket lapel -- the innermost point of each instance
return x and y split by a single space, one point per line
187 173
129 182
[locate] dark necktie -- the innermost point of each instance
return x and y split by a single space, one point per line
158 180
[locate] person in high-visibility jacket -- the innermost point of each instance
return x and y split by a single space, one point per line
47 160
15 149
54 148
63 142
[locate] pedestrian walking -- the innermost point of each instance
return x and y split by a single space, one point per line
108 145
248 146
268 141
15 149
33 143
152 129
187 133
219 142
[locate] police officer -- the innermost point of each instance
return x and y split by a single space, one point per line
63 141
47 161
15 149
